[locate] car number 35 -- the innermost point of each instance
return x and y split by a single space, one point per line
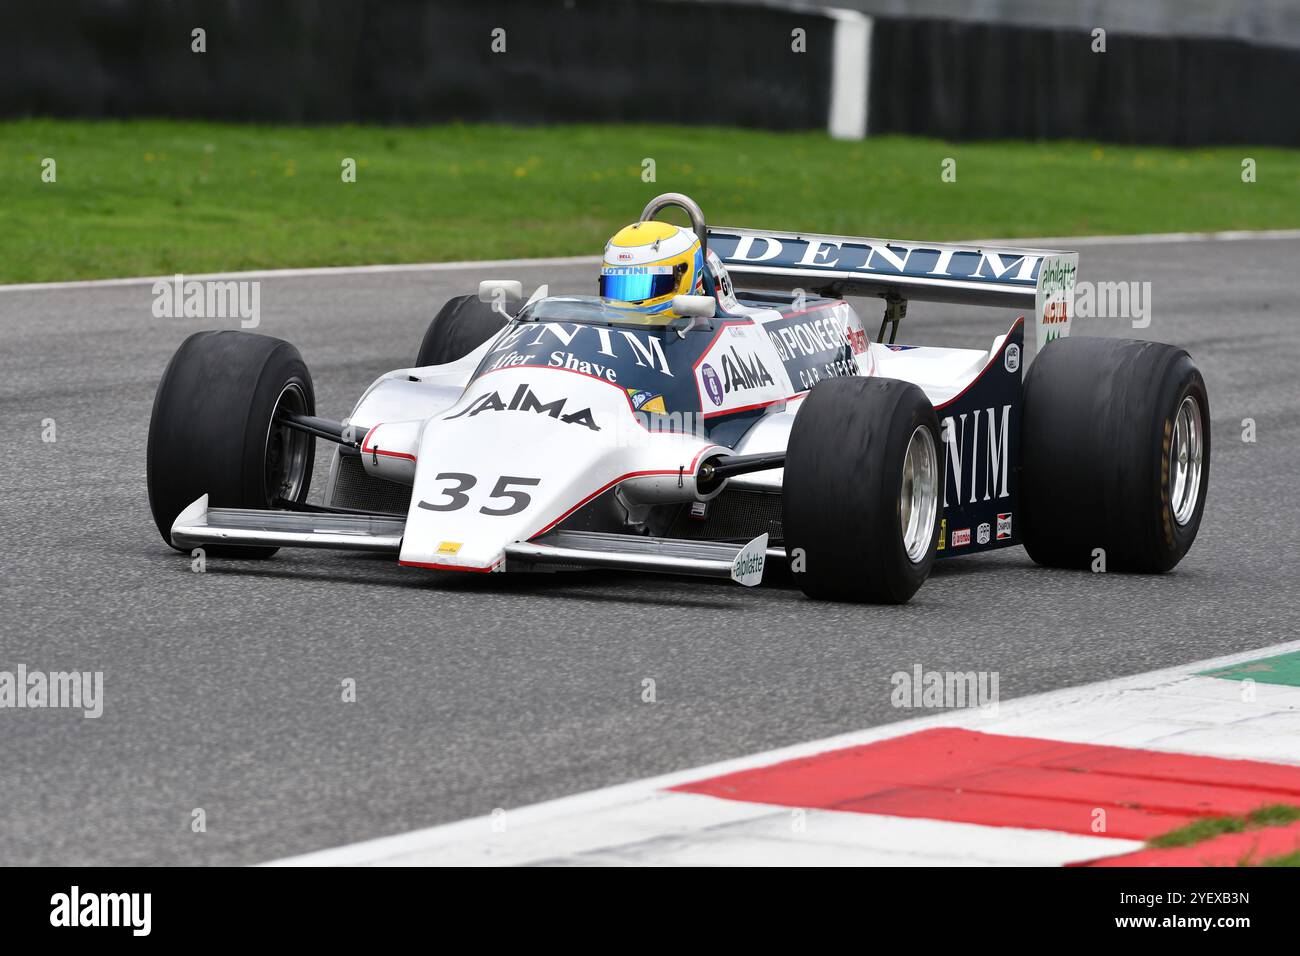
456 497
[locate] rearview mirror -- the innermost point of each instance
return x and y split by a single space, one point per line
500 291
694 306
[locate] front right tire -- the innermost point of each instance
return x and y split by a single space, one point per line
461 325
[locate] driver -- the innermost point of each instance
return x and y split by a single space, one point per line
647 263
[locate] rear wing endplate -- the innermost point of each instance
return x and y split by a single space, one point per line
986 275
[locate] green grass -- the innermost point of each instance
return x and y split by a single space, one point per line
156 197
1274 815
1289 859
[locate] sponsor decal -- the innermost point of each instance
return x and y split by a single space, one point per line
644 401
637 271
961 537
900 348
979 454
1004 526
820 332
1011 358
742 372
983 533
531 343
876 257
567 360
449 547
943 533
747 568
699 510
818 344
525 399
1055 293
712 384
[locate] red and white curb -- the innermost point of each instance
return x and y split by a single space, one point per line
1078 776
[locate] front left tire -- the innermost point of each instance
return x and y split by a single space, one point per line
862 489
213 429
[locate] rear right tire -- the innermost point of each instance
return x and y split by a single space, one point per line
1115 449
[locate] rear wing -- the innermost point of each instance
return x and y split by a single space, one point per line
1038 279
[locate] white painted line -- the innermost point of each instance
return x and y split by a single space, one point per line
687 829
780 837
1150 238
315 271
1166 709
1157 238
850 68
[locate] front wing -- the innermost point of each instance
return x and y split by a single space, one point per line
199 525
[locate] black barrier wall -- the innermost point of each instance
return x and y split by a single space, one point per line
730 64
410 61
979 81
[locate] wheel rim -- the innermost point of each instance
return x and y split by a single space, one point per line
1185 455
288 450
918 497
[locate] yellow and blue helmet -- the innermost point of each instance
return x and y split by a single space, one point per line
647 263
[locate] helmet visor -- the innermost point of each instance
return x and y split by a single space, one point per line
636 283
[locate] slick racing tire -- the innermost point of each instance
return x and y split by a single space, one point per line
1115 447
461 326
863 490
213 429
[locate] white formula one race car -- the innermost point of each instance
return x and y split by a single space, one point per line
726 430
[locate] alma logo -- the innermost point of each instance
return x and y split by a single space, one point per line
526 400
985 462
741 372
102 909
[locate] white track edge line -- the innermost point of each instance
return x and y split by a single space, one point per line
379 848
312 271
1155 238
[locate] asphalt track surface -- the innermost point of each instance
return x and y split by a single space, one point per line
223 689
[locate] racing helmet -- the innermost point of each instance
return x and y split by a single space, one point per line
647 263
